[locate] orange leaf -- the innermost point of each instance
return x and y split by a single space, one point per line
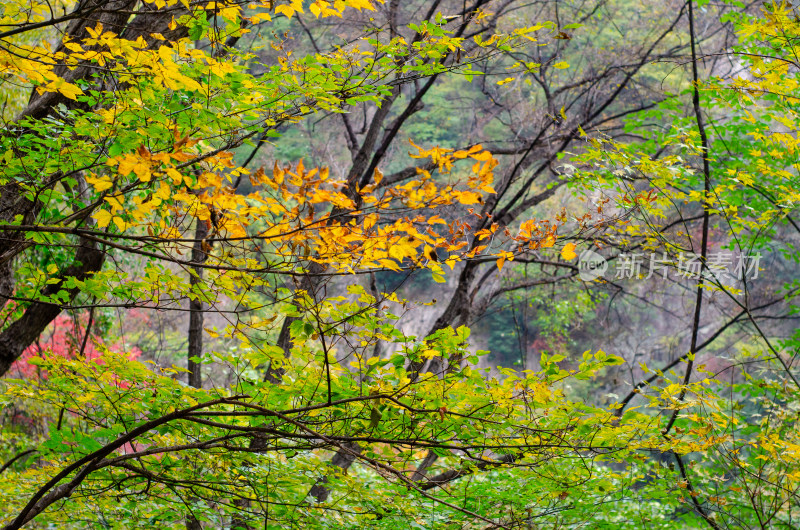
568 252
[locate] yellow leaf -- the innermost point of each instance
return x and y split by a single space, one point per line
568 252
427 354
115 203
286 10
69 90
483 156
561 65
504 81
99 184
126 164
174 174
103 217
72 46
164 191
361 4
468 197
430 253
142 171
389 264
260 17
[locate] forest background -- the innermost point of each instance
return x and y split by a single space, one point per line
437 264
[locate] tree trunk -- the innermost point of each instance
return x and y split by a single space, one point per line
195 349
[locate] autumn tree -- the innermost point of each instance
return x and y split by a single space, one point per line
120 189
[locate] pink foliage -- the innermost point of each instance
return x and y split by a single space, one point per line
66 337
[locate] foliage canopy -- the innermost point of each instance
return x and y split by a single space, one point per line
129 185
